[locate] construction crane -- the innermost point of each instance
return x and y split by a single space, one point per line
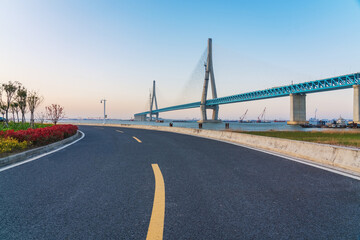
243 116
261 117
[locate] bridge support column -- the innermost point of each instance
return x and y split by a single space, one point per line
297 109
356 107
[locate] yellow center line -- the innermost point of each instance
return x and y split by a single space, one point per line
156 226
119 131
137 139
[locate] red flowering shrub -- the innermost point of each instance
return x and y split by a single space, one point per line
41 136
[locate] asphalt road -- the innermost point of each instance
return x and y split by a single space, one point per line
103 188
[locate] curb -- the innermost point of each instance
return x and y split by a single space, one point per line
19 157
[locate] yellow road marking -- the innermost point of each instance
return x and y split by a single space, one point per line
119 131
156 226
137 139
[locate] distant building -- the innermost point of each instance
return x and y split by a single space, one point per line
341 122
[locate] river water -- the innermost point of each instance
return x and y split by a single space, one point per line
279 126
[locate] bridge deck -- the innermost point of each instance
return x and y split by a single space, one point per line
329 84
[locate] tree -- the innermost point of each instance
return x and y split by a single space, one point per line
2 110
21 97
55 112
10 90
33 101
41 117
12 110
14 107
17 109
2 104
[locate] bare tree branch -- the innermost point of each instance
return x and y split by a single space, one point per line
55 112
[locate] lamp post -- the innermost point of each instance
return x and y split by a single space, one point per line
104 100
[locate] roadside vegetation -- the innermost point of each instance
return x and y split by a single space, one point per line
12 141
21 126
16 134
8 145
341 138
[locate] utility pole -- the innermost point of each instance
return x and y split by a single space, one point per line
104 100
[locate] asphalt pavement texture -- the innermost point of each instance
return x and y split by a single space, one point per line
102 187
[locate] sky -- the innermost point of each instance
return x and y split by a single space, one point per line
76 53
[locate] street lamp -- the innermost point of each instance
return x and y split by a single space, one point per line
104 100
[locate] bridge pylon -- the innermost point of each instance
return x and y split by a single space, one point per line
209 74
152 101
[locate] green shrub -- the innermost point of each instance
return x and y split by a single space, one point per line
21 126
8 145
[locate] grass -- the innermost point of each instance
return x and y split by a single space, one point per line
20 126
341 138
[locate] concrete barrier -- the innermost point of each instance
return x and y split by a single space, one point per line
335 156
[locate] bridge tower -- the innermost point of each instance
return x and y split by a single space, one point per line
152 101
209 73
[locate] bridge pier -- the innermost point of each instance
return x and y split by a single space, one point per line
356 107
153 114
297 109
215 113
140 117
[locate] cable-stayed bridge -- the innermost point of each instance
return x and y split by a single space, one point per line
297 93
